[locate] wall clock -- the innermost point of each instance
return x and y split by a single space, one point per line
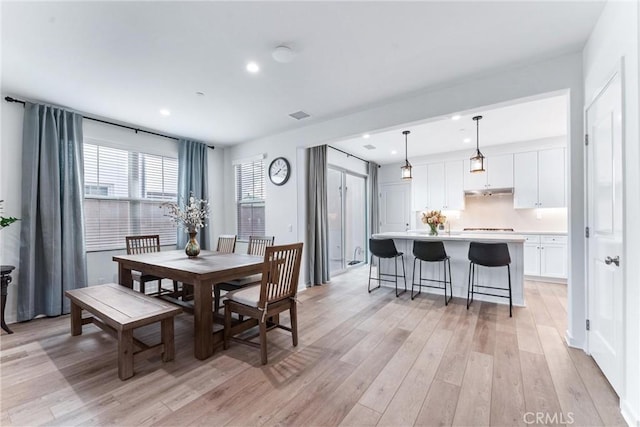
279 171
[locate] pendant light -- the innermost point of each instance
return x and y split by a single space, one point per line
477 161
406 169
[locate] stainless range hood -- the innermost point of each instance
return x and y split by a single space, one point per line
488 192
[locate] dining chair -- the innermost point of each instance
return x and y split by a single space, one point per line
257 246
144 245
276 293
226 244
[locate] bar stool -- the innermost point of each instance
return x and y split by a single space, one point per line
431 252
385 248
488 255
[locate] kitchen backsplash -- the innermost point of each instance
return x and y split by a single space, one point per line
497 211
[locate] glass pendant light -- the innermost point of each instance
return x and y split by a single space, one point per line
406 169
477 161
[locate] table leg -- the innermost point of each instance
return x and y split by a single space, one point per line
203 320
76 319
166 332
125 354
4 325
124 276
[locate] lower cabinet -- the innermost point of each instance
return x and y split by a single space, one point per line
545 256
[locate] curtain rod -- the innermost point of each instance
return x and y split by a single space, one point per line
350 155
136 130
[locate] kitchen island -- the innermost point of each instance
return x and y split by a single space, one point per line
457 247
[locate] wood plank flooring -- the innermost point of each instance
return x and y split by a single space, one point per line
363 360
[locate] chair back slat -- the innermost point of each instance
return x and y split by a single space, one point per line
258 244
143 244
226 244
280 273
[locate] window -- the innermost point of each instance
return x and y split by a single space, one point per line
123 193
250 199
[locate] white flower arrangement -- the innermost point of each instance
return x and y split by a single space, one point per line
193 215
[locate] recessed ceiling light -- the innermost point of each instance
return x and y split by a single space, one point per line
455 117
466 140
394 152
252 67
366 136
165 112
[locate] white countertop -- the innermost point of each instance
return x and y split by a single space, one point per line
541 233
453 236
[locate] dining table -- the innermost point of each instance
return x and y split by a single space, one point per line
202 272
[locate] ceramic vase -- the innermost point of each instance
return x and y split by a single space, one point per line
193 248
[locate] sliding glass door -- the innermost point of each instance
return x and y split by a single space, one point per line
347 202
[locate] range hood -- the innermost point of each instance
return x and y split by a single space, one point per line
489 192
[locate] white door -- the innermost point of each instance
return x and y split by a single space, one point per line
419 196
553 260
395 200
604 210
454 171
531 259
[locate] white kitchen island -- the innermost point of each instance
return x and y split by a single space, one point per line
457 247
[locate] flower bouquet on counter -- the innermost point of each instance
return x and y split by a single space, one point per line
433 219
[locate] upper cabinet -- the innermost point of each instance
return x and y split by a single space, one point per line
498 174
539 179
419 195
438 186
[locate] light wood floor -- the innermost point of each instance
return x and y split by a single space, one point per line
363 359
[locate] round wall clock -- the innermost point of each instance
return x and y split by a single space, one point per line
279 171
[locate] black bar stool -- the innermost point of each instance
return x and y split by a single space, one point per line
488 255
431 252
385 248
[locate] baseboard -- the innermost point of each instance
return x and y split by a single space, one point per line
572 342
629 414
562 281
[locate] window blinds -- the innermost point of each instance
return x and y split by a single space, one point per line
123 193
250 199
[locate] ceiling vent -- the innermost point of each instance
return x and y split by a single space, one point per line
299 115
369 147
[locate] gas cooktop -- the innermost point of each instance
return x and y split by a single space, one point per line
487 229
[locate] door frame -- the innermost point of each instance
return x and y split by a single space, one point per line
618 69
365 249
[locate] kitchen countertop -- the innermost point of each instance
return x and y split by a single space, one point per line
508 237
541 233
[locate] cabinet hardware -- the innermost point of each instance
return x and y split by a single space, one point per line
588 325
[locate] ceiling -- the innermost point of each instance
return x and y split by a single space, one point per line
128 60
525 120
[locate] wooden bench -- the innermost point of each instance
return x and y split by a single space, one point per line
119 310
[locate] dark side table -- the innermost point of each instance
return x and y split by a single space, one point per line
5 277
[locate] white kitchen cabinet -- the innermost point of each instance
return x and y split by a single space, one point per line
442 188
532 256
419 195
553 256
498 174
539 179
436 186
545 256
454 192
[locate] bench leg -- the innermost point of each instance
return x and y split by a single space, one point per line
76 319
125 354
166 330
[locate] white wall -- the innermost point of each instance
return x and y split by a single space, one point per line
616 36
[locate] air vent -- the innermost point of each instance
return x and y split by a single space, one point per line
369 147
299 115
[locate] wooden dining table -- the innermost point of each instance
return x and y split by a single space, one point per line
203 272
